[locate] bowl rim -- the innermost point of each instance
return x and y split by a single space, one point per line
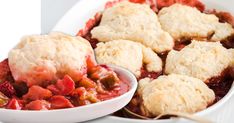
133 86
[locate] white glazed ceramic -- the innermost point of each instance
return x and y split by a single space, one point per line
77 114
77 16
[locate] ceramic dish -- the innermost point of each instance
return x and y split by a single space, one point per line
75 19
77 114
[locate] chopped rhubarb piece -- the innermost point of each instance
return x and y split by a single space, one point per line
90 24
224 17
14 104
85 96
37 93
97 71
3 100
63 87
38 105
81 92
137 1
87 83
109 80
7 89
199 5
58 102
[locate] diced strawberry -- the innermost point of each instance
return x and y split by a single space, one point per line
58 102
38 105
37 93
53 89
14 104
87 83
63 87
3 100
7 89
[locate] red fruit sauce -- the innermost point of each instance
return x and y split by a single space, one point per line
99 84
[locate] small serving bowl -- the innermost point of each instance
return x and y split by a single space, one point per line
78 114
80 13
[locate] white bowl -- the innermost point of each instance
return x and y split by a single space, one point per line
77 16
78 114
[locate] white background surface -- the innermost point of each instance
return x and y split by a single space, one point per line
21 17
52 11
17 18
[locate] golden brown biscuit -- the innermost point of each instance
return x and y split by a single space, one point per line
40 58
175 93
135 22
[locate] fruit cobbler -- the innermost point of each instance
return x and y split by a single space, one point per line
55 71
180 52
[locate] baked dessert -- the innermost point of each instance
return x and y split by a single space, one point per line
128 54
200 56
174 93
40 58
55 71
184 22
202 60
125 21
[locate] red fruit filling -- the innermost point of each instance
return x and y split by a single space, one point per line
64 93
58 102
63 87
15 104
38 105
7 89
37 93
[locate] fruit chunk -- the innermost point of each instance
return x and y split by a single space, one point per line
37 93
7 89
87 83
58 102
137 1
14 104
85 96
3 100
38 105
20 88
63 87
5 73
105 76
